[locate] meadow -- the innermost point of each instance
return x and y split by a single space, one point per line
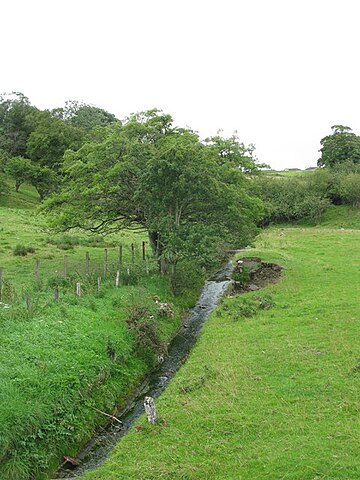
267 393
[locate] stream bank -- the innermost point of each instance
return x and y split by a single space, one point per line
98 449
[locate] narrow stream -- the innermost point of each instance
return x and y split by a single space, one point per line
98 449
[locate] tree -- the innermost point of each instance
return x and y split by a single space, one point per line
49 141
147 173
232 150
44 179
18 118
341 146
19 168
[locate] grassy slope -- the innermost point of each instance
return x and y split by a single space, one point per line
274 396
58 360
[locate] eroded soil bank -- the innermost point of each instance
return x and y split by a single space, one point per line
251 273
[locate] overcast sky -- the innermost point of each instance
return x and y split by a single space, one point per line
279 72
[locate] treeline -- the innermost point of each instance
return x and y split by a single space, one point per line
336 181
33 141
194 197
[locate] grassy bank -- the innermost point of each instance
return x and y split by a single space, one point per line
64 361
272 393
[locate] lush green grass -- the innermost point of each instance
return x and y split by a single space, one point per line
62 361
288 173
26 197
27 227
270 396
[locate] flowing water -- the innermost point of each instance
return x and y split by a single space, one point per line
98 449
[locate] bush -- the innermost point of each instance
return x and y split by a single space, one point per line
349 188
22 250
142 319
292 199
189 276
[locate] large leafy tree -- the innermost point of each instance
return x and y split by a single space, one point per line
146 173
339 147
18 118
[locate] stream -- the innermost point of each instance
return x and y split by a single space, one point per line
98 449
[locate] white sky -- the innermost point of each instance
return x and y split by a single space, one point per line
280 72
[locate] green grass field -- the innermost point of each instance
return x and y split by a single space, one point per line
62 362
288 173
271 396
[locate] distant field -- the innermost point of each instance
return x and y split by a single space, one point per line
288 173
272 394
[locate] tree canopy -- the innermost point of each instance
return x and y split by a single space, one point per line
146 173
341 146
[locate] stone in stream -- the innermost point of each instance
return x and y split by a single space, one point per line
150 409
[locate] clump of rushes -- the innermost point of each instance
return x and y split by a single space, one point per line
22 250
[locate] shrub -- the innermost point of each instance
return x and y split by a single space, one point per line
292 199
189 276
349 188
142 321
22 250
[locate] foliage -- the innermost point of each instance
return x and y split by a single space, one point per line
44 179
147 173
142 320
20 169
3 185
292 199
349 188
242 276
234 152
22 250
341 146
83 116
51 138
18 118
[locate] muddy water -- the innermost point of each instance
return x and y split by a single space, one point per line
98 449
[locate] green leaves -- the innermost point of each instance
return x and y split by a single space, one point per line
339 147
146 173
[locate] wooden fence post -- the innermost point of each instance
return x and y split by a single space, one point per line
120 256
65 266
117 279
132 254
87 264
56 294
143 250
105 262
78 289
28 302
1 280
99 283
